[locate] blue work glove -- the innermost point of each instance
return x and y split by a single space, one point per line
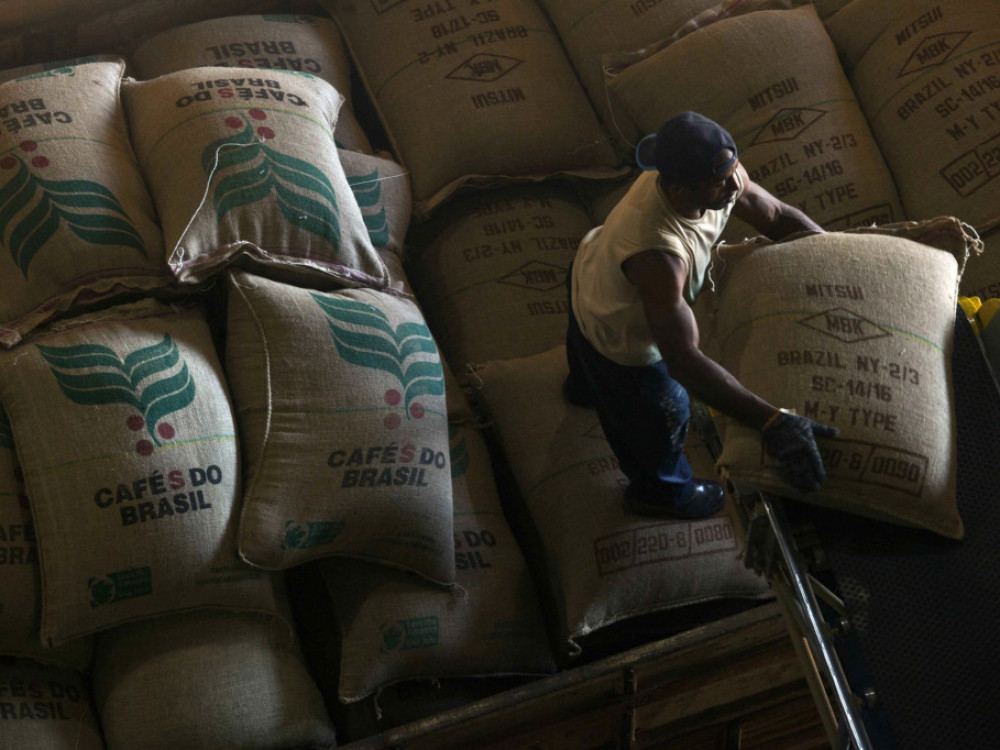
791 439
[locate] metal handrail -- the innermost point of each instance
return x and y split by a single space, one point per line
853 729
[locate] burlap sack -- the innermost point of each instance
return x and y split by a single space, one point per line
799 129
306 44
15 14
853 330
981 277
459 409
56 29
45 707
602 565
206 680
381 188
928 77
591 28
19 582
127 442
602 196
77 224
341 404
470 94
399 281
54 69
244 163
396 628
827 8
490 271
11 51
77 654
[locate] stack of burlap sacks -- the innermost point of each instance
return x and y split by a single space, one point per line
212 266
216 372
853 328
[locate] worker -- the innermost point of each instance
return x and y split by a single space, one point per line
632 338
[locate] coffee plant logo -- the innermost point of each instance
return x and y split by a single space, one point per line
33 208
459 451
153 380
310 534
392 636
368 193
6 434
413 632
364 336
102 591
256 171
122 584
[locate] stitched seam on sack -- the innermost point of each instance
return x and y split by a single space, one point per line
251 485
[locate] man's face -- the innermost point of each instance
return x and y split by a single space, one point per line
718 192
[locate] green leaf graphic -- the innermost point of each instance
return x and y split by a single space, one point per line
86 207
294 536
249 172
365 337
368 193
6 434
459 452
101 591
392 636
141 380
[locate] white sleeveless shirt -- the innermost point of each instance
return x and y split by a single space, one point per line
606 304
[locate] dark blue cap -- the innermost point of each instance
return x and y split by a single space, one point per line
685 149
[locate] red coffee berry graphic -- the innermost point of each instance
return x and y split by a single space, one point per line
40 161
28 145
393 397
258 114
165 430
8 162
135 422
234 122
144 448
265 133
391 421
417 410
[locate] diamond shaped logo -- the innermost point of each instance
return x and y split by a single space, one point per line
787 125
933 51
381 6
537 276
484 68
844 325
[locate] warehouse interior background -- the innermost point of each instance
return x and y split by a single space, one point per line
284 459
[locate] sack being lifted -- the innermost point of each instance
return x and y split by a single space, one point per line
854 330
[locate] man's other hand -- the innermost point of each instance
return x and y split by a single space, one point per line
791 439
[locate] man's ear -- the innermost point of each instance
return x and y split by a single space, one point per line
679 195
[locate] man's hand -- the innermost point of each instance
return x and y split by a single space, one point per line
791 439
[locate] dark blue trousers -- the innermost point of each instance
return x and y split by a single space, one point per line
643 411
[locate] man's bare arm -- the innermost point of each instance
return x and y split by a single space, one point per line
771 217
660 278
